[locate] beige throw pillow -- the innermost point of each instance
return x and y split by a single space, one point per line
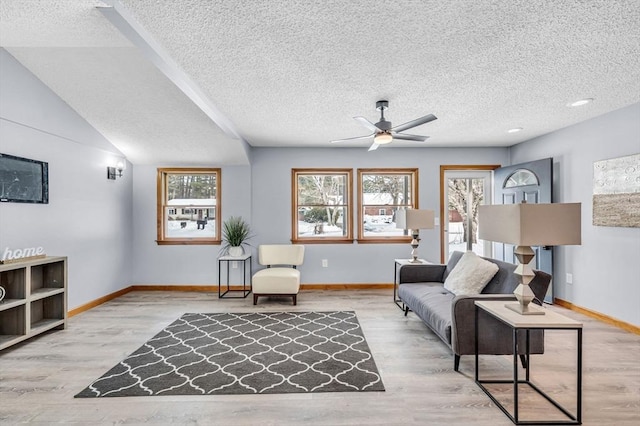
470 275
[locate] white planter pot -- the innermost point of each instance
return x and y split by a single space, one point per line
236 251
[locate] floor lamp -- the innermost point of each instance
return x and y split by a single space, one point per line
525 225
413 221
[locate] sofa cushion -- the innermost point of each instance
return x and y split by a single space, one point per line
470 275
432 304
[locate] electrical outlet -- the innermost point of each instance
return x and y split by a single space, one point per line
234 265
569 278
325 263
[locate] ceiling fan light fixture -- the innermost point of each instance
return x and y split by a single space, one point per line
383 138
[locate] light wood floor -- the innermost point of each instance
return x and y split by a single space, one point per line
39 378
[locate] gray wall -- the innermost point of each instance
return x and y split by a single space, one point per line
351 263
180 264
88 217
108 228
606 267
262 195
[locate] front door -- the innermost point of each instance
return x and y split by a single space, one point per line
531 182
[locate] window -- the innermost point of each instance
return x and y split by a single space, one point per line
188 206
521 177
381 192
321 205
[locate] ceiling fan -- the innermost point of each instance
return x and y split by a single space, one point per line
383 133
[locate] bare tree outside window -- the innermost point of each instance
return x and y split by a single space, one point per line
465 195
381 193
322 205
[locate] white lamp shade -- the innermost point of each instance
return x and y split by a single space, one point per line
415 219
526 224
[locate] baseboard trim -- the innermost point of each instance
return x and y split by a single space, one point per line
170 287
359 286
97 302
214 288
597 315
364 286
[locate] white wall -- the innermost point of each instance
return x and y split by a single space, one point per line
606 267
88 217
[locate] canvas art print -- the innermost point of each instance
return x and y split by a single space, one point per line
616 192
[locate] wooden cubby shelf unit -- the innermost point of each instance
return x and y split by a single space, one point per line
35 299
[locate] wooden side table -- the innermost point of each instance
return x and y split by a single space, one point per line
399 264
517 322
244 259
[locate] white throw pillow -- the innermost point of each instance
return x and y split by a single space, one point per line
470 275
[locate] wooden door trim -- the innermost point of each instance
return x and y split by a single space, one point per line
460 168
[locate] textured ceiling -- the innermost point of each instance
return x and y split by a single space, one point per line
294 73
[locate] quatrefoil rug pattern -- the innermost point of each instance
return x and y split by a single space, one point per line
247 353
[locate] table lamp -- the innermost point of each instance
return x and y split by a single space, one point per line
525 225
413 221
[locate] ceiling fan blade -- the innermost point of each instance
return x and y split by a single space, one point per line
402 136
352 139
366 123
373 147
413 123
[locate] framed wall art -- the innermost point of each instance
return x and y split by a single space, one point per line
616 192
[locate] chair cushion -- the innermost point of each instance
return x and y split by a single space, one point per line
470 275
276 281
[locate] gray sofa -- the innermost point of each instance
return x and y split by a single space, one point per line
452 318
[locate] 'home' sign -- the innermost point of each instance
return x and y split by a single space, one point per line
10 256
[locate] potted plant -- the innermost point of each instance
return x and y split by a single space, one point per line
235 233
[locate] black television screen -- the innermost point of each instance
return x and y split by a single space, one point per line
23 180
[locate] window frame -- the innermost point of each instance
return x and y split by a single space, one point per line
161 201
348 216
413 173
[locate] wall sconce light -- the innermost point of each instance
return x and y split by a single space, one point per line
113 172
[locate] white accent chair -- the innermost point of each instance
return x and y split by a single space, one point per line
280 277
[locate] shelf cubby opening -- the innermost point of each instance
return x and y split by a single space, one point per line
47 275
47 310
13 283
12 322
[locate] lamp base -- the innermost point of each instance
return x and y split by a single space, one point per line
524 310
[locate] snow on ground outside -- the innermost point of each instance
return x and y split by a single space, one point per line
377 228
175 229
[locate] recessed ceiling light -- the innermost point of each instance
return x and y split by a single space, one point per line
514 130
580 102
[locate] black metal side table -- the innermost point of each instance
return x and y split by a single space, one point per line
525 323
246 288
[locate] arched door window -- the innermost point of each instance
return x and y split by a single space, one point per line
521 177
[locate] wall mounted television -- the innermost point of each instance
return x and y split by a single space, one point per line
23 180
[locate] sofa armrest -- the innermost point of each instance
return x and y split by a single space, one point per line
463 326
421 273
495 338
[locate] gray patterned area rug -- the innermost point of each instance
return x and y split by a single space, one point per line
247 353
